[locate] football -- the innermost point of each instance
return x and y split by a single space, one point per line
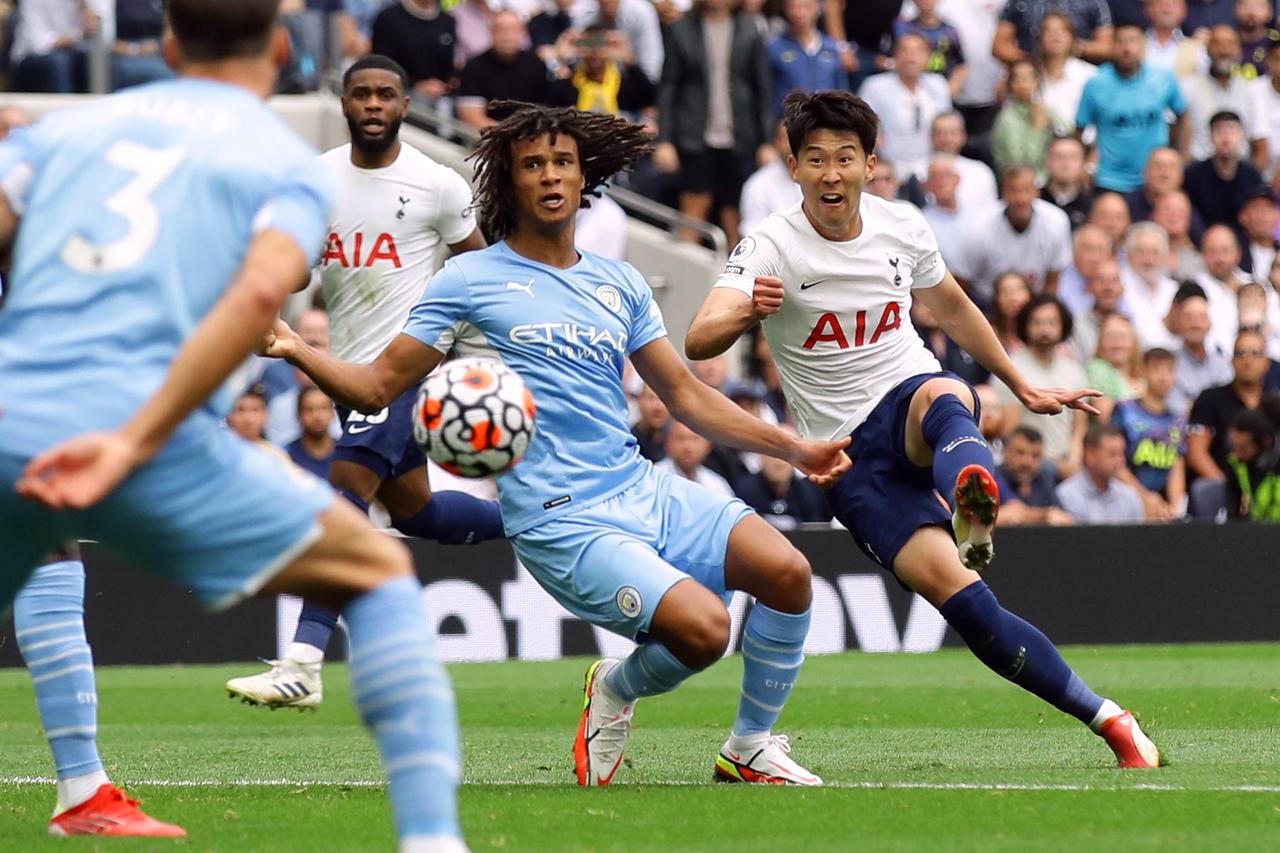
474 417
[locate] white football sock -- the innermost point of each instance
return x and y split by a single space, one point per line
75 790
432 844
304 653
1108 710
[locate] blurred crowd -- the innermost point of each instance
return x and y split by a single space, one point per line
1101 176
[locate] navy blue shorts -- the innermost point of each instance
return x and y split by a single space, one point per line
381 442
886 497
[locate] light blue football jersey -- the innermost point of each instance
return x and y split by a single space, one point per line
136 213
567 333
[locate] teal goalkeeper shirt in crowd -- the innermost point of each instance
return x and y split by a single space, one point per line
136 214
566 333
1131 115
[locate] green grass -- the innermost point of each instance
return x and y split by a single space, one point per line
896 736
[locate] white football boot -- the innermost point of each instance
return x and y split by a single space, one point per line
288 684
603 730
761 759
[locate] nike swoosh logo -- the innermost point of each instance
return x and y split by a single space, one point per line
356 429
808 284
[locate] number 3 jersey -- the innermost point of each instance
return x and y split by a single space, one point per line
843 337
136 212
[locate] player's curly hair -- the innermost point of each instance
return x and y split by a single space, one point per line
606 145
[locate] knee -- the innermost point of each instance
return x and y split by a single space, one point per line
936 389
706 638
793 584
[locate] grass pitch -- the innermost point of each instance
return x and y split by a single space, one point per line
920 753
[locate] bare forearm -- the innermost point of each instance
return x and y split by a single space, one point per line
966 325
709 413
1201 462
353 385
714 333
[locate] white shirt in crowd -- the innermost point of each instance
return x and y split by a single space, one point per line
703 476
601 229
767 191
843 337
391 230
995 248
1063 96
976 191
1204 97
906 117
1147 306
1061 372
40 23
976 22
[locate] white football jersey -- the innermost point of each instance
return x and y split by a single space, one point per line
391 230
843 337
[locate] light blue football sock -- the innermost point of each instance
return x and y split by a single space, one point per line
649 670
48 617
772 653
405 698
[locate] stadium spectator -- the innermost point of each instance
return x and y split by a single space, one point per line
1126 103
278 376
907 99
248 419
1198 363
1025 124
650 428
355 26
1066 186
505 71
548 26
975 21
1020 23
1155 440
137 57
803 57
685 453
712 371
1023 234
1253 312
762 367
866 27
885 183
1012 293
312 450
1222 89
991 420
1062 74
50 43
1271 95
1259 219
638 21
1173 212
1168 47
601 229
1219 185
416 34
732 464
1111 214
605 78
781 495
1203 14
941 209
716 115
1027 493
770 188
977 190
946 55
950 355
1043 325
1116 366
1163 174
1253 478
1096 495
1148 289
1090 246
1255 21
474 23
1221 280
1208 426
1105 291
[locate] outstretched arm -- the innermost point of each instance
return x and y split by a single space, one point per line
965 324
367 388
727 314
709 413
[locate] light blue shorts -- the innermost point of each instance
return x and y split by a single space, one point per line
612 562
211 512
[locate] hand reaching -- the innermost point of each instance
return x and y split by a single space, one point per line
824 462
1051 401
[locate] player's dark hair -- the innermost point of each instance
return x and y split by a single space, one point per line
379 62
1157 354
1031 434
305 392
804 112
213 30
1098 432
1037 302
606 145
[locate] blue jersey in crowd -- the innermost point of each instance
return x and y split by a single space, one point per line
566 332
1131 116
1153 442
136 211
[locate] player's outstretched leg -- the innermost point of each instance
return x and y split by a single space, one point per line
942 433
48 617
401 690
1012 647
763 563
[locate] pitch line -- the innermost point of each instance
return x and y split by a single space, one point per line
672 783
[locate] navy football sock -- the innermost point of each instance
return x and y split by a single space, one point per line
1018 651
951 431
454 518
317 623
